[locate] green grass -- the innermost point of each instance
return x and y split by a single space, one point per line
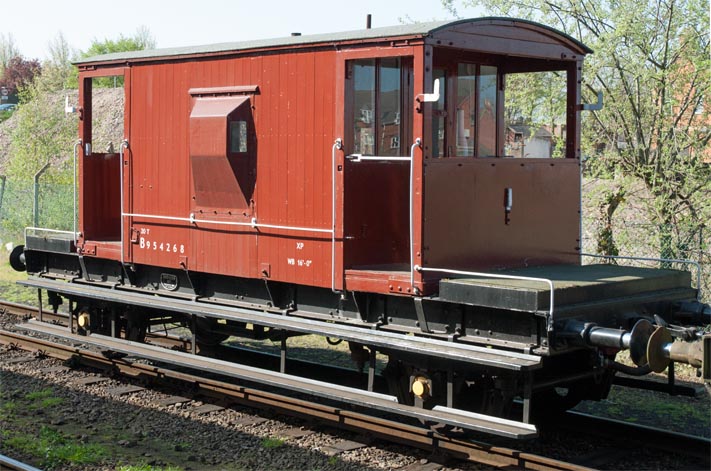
271 442
54 449
147 467
42 394
9 289
43 399
8 407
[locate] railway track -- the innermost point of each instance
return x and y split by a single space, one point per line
9 464
389 430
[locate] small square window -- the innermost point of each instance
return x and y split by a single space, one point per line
238 137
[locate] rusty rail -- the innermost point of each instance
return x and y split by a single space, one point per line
404 434
497 457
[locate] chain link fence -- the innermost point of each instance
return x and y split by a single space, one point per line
631 239
17 208
655 241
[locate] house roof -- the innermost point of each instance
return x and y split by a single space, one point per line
406 30
540 133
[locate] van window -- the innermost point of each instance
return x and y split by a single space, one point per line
380 94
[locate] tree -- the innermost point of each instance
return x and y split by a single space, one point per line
18 73
57 71
8 50
142 39
652 62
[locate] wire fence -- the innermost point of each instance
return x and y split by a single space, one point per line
655 241
631 239
54 205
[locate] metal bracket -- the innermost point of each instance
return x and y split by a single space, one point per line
421 319
85 273
593 106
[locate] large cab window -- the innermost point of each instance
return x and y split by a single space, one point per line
498 107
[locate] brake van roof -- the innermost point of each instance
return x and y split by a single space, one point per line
415 30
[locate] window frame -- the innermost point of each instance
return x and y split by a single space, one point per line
406 112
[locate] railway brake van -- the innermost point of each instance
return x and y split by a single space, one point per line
369 186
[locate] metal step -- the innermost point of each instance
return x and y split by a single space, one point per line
370 400
452 351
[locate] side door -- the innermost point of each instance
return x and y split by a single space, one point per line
104 130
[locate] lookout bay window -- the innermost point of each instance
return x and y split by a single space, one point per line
500 107
379 95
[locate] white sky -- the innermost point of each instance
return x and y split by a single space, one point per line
196 22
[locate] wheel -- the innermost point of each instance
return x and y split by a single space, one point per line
550 403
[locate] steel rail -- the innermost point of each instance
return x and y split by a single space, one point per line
11 464
392 431
677 442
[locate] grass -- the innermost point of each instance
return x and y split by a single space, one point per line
54 449
43 399
42 394
9 289
146 467
271 442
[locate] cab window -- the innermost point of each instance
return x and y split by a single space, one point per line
379 95
470 129
495 107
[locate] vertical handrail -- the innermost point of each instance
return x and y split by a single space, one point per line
418 143
122 148
35 205
337 145
74 201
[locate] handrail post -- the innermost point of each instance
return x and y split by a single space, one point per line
74 200
3 179
418 143
35 206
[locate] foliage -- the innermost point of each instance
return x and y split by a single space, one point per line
8 50
271 442
43 134
18 73
142 39
55 208
57 71
43 399
605 238
534 98
54 448
147 467
652 62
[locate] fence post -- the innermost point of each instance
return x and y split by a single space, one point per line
35 207
3 178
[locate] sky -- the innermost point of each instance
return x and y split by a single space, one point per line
196 22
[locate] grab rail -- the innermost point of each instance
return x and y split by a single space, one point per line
411 160
549 282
